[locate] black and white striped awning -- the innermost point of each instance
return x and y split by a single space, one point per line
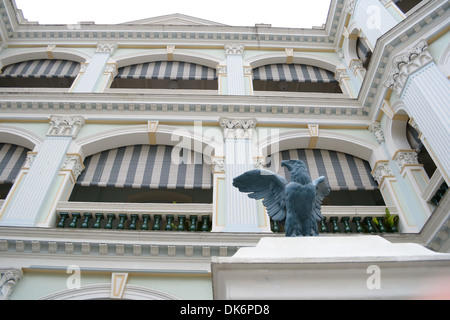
42 69
344 171
146 166
167 70
362 50
12 158
293 73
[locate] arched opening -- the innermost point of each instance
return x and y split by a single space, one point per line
12 159
43 73
166 75
349 177
145 174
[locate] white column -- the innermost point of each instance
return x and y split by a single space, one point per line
96 75
241 211
35 191
425 91
235 69
372 17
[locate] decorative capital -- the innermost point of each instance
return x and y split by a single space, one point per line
375 128
405 157
65 126
340 75
8 281
73 163
237 128
107 47
349 6
406 63
381 170
112 69
259 162
217 165
234 49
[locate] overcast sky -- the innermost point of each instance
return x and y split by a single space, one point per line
279 13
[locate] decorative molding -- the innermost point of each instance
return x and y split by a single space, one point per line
405 157
349 6
217 165
73 163
406 63
237 49
237 128
340 75
259 162
118 283
107 47
65 126
381 170
8 281
375 128
112 69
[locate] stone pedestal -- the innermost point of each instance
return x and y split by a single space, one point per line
338 267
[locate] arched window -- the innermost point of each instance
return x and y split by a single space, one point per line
40 74
12 159
166 75
145 173
363 51
294 78
349 177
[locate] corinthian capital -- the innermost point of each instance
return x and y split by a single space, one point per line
65 126
234 49
237 128
381 170
406 63
108 47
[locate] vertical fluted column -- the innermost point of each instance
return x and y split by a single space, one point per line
39 186
372 17
425 91
235 69
241 211
97 75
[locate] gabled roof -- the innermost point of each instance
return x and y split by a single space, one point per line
175 19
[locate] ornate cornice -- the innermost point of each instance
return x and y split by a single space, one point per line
406 63
65 126
237 128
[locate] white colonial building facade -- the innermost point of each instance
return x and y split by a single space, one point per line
119 143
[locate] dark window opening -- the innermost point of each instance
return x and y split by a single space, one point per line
139 195
283 86
406 5
354 198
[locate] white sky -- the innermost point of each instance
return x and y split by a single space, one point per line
279 13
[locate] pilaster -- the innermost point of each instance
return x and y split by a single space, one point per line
425 92
99 72
47 177
235 69
241 211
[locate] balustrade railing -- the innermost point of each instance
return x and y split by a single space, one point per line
354 219
198 217
128 216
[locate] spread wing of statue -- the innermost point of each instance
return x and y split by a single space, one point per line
296 204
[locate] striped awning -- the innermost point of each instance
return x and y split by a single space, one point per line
42 69
167 70
362 49
12 158
344 171
145 166
293 73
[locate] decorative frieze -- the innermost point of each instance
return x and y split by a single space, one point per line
406 63
381 170
65 126
237 128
